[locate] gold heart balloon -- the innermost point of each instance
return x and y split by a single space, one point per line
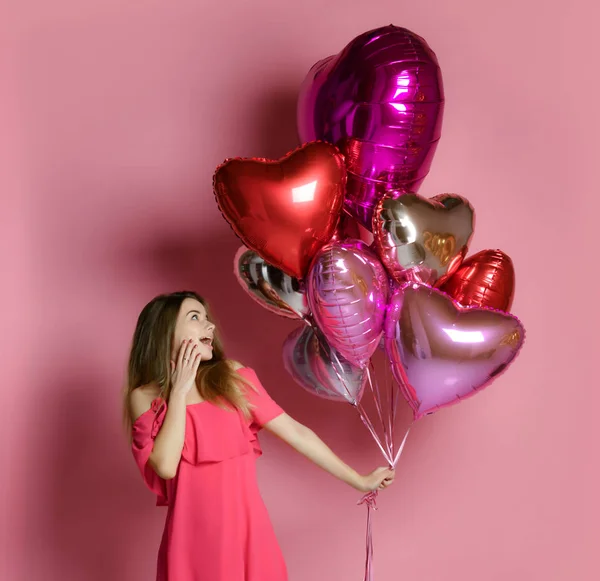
422 240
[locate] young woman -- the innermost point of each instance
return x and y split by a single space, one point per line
194 417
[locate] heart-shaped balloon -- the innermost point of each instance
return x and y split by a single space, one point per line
440 352
272 288
419 239
486 279
284 210
348 292
320 369
380 100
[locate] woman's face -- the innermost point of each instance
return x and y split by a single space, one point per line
192 323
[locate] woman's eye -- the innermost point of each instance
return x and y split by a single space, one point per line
194 317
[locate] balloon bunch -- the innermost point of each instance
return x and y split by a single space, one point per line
370 118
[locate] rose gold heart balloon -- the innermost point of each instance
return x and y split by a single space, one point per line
486 279
440 352
419 239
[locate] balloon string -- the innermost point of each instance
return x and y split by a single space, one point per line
395 400
367 422
363 415
370 499
399 453
376 392
324 348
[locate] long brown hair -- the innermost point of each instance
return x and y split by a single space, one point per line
150 358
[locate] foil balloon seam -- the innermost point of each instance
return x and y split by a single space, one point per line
270 161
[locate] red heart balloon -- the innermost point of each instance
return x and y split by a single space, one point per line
284 210
486 279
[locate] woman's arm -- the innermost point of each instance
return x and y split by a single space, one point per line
305 441
168 444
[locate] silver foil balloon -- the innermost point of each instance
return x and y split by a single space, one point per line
420 239
440 352
275 290
348 292
320 369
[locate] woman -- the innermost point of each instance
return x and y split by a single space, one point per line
194 417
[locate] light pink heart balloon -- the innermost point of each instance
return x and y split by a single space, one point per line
348 291
442 353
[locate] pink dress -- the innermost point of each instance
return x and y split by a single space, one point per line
217 526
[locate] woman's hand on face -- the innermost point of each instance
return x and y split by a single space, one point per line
379 479
183 371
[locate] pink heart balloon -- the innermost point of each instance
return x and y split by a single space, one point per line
381 101
442 353
348 292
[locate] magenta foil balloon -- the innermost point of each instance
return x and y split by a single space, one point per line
348 292
320 369
440 352
381 101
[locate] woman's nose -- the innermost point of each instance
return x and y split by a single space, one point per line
211 327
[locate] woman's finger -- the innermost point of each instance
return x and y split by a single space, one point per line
197 360
192 355
181 353
188 351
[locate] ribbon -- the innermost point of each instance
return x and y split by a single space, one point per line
370 499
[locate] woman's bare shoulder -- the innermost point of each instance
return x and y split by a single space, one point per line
141 399
235 365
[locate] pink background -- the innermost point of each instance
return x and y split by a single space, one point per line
114 115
